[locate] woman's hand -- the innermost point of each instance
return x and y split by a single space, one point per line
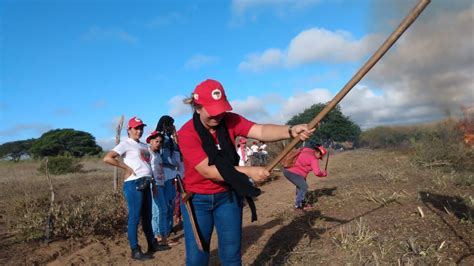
257 173
129 171
301 131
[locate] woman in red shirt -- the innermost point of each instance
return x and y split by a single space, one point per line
213 177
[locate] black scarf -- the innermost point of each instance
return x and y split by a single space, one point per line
225 159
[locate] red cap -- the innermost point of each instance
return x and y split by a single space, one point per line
135 122
211 95
323 151
152 135
242 140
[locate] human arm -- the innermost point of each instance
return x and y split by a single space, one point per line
316 170
271 132
112 158
257 174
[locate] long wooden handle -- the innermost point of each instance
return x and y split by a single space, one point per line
409 19
187 205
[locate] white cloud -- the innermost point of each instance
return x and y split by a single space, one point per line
98 34
313 45
178 108
258 62
199 60
319 44
300 101
429 72
252 108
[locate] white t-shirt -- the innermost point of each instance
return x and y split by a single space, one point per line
157 168
254 148
136 156
263 149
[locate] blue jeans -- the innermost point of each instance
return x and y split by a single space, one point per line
209 210
301 186
170 197
139 205
159 220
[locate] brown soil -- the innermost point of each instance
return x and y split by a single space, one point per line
366 212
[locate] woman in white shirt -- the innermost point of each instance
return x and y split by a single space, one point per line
136 188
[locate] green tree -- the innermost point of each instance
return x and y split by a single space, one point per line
335 125
15 149
64 142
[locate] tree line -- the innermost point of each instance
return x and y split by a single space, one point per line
74 143
56 142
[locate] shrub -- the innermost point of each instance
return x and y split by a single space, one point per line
75 217
389 137
443 146
61 165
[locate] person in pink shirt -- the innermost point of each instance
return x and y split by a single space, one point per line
307 161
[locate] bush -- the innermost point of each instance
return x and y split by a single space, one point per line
443 146
389 137
61 165
75 217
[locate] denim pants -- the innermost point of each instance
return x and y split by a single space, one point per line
170 197
301 186
209 211
159 220
139 205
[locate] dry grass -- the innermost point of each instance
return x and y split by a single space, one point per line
354 236
381 198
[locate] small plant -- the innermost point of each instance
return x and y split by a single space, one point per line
61 165
353 237
371 195
76 216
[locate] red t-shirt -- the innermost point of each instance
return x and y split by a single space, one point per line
193 153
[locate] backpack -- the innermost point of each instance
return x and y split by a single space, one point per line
290 159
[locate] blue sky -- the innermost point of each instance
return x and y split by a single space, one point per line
82 64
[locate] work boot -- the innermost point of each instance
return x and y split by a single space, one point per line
137 254
157 247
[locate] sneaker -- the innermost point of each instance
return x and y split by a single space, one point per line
307 206
172 242
137 254
298 209
157 247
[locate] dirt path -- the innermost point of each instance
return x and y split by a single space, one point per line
277 196
366 212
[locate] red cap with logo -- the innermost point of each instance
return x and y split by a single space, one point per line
211 95
152 135
135 122
322 150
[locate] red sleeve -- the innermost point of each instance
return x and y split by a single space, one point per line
315 166
238 125
191 147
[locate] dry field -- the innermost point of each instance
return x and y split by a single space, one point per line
375 208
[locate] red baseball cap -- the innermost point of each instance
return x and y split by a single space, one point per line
211 95
152 135
322 150
135 122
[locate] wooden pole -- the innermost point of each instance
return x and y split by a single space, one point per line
49 219
409 19
117 141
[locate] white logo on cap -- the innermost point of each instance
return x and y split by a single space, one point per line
216 94
138 119
196 96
